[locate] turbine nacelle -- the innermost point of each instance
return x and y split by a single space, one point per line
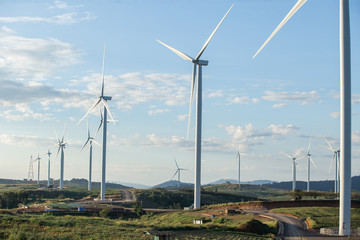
201 62
106 98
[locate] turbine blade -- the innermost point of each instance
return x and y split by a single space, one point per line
212 34
92 107
286 155
297 153
97 131
93 141
312 162
180 54
175 174
108 110
83 146
302 157
87 124
287 17
56 134
332 149
57 152
63 134
309 145
191 97
328 143
176 164
244 154
332 160
103 71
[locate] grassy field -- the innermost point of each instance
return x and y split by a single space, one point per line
46 226
321 216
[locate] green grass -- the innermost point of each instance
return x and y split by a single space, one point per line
47 226
321 216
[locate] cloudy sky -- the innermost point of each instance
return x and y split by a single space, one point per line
50 73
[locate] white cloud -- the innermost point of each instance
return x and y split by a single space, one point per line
22 140
157 111
215 93
66 18
63 5
334 114
281 130
355 137
241 100
301 97
33 58
279 105
255 100
182 117
355 98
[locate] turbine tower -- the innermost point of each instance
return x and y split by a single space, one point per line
294 165
31 170
309 159
178 170
61 145
89 140
48 153
345 109
197 71
103 100
38 160
238 155
336 158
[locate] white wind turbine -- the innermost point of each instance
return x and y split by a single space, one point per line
345 109
89 140
197 66
336 158
48 153
31 170
61 145
238 155
103 100
308 155
294 165
38 160
178 170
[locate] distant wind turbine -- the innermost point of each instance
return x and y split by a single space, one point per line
197 66
238 155
48 153
103 100
31 170
38 160
61 145
308 155
345 109
336 158
89 140
178 170
294 165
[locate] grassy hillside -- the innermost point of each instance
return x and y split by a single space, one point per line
162 198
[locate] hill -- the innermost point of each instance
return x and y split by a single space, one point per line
232 181
326 186
173 184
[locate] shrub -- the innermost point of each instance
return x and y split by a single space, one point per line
255 226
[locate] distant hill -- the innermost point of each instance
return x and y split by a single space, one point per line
327 185
133 185
173 184
232 181
75 182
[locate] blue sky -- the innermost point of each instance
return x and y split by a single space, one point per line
50 73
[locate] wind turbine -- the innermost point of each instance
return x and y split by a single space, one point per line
238 155
336 157
308 155
197 66
345 109
89 140
61 145
178 170
48 153
38 160
31 170
103 100
294 165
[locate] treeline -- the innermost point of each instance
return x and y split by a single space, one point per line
12 199
326 186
